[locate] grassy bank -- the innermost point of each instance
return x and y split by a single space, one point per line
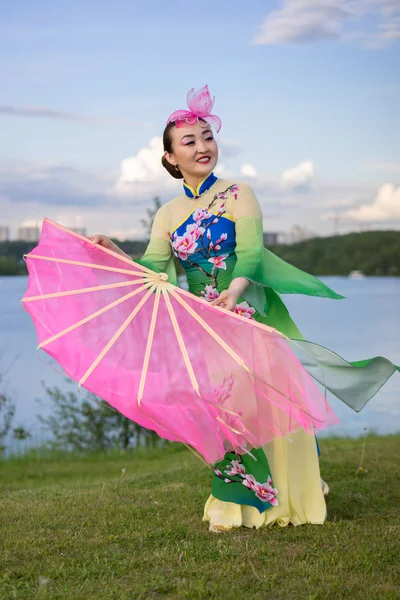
79 528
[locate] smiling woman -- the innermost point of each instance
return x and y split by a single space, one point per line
190 152
214 228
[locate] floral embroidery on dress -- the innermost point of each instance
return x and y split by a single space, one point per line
236 472
192 240
198 239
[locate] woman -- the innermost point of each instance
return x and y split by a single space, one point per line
214 228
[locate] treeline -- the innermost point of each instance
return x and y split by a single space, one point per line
12 253
76 424
372 252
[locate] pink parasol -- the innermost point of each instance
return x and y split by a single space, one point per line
163 357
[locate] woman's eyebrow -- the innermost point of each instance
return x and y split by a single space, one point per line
191 135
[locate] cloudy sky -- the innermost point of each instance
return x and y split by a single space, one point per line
308 92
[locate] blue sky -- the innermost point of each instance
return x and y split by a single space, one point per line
308 92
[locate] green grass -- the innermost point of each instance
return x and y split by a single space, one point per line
77 528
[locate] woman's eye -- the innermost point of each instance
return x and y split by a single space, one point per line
189 143
209 139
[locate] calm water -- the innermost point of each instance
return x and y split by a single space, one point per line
366 324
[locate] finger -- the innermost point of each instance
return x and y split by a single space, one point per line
215 302
218 301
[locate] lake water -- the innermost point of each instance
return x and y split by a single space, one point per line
366 324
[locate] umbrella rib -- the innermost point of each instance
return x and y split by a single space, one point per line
233 315
209 330
181 343
88 241
149 345
78 263
82 290
116 335
93 316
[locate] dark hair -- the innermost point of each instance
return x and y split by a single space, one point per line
167 142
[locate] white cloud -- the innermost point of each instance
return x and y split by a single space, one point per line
113 201
143 173
386 206
301 21
299 177
248 171
145 166
307 21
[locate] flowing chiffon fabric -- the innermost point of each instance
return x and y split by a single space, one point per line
251 388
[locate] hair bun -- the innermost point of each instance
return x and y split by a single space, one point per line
171 169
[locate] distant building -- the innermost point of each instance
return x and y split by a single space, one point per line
271 238
4 233
28 232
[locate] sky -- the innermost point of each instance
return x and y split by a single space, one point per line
308 92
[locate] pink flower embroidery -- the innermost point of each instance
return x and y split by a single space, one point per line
217 472
223 238
185 244
249 481
211 293
222 195
223 391
235 468
245 310
195 230
200 214
234 189
221 208
263 491
218 261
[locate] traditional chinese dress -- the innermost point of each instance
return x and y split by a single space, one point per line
216 233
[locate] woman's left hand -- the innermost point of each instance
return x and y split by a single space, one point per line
227 299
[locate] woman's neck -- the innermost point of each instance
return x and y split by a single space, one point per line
193 182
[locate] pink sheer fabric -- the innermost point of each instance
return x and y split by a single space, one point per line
200 106
250 386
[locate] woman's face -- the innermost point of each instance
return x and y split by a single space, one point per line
195 150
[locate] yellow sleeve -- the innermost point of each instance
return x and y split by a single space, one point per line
158 251
246 204
249 233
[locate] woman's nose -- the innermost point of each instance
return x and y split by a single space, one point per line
201 147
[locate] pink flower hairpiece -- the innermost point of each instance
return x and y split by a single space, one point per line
200 106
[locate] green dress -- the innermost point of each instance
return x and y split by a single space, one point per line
216 233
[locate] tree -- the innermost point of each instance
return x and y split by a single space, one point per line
7 412
151 213
85 425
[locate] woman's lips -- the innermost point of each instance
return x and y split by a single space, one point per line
203 160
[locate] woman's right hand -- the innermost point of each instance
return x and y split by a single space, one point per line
104 241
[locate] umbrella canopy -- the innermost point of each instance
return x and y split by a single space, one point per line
164 358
